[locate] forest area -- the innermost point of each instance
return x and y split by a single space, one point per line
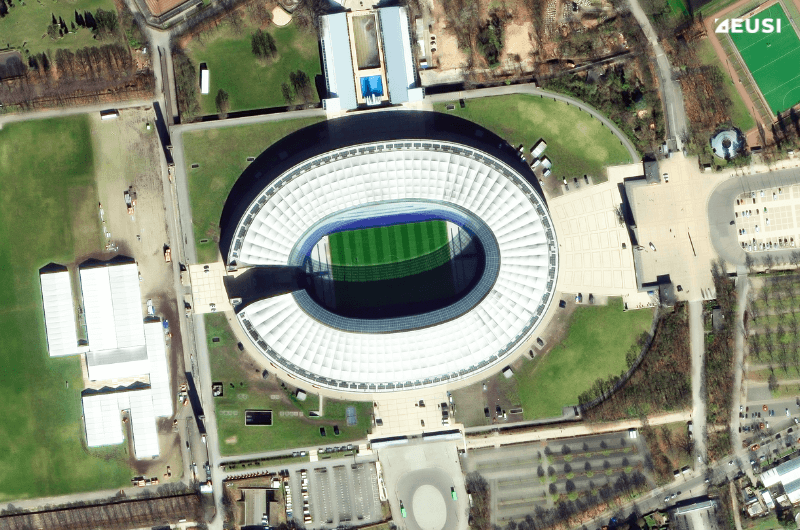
662 382
718 383
104 72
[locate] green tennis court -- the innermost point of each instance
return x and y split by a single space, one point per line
387 244
772 59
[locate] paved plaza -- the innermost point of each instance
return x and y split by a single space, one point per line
420 476
671 225
768 219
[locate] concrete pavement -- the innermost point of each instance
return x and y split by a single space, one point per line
72 111
697 340
742 288
571 431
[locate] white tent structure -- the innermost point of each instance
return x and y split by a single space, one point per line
59 314
104 426
121 346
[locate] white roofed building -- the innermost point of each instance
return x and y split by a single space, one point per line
121 346
59 313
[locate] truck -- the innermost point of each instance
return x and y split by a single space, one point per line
168 254
130 199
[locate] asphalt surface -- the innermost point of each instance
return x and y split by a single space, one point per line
523 478
742 288
697 342
721 211
674 112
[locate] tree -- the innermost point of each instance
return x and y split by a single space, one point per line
288 95
106 23
223 103
263 45
773 382
300 83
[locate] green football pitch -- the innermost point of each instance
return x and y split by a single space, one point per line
387 244
773 59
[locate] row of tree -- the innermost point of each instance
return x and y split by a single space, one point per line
662 380
86 73
719 364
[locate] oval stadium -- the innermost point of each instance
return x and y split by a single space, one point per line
392 265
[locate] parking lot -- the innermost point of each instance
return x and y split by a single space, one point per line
523 478
340 492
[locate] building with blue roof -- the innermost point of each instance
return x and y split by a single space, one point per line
368 59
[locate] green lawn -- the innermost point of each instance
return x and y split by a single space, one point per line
595 346
577 143
48 213
251 391
26 23
253 83
740 116
772 59
222 155
387 244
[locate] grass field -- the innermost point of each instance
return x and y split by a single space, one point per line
253 83
387 244
740 116
577 143
292 426
222 156
26 23
595 346
772 59
48 205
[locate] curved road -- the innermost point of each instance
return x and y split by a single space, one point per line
532 90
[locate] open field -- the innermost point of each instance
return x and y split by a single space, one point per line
222 156
595 346
254 83
577 143
25 25
48 208
245 387
387 244
772 59
740 116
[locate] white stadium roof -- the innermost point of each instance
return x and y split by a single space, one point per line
59 314
442 173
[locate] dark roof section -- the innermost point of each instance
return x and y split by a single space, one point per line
651 170
357 129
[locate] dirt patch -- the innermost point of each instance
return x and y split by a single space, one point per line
280 17
231 440
127 154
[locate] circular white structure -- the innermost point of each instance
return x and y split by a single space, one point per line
456 182
428 508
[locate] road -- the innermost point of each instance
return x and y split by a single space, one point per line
571 431
674 112
532 90
697 339
742 288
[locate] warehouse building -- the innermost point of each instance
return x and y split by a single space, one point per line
788 476
120 348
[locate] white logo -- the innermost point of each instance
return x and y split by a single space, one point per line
749 25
